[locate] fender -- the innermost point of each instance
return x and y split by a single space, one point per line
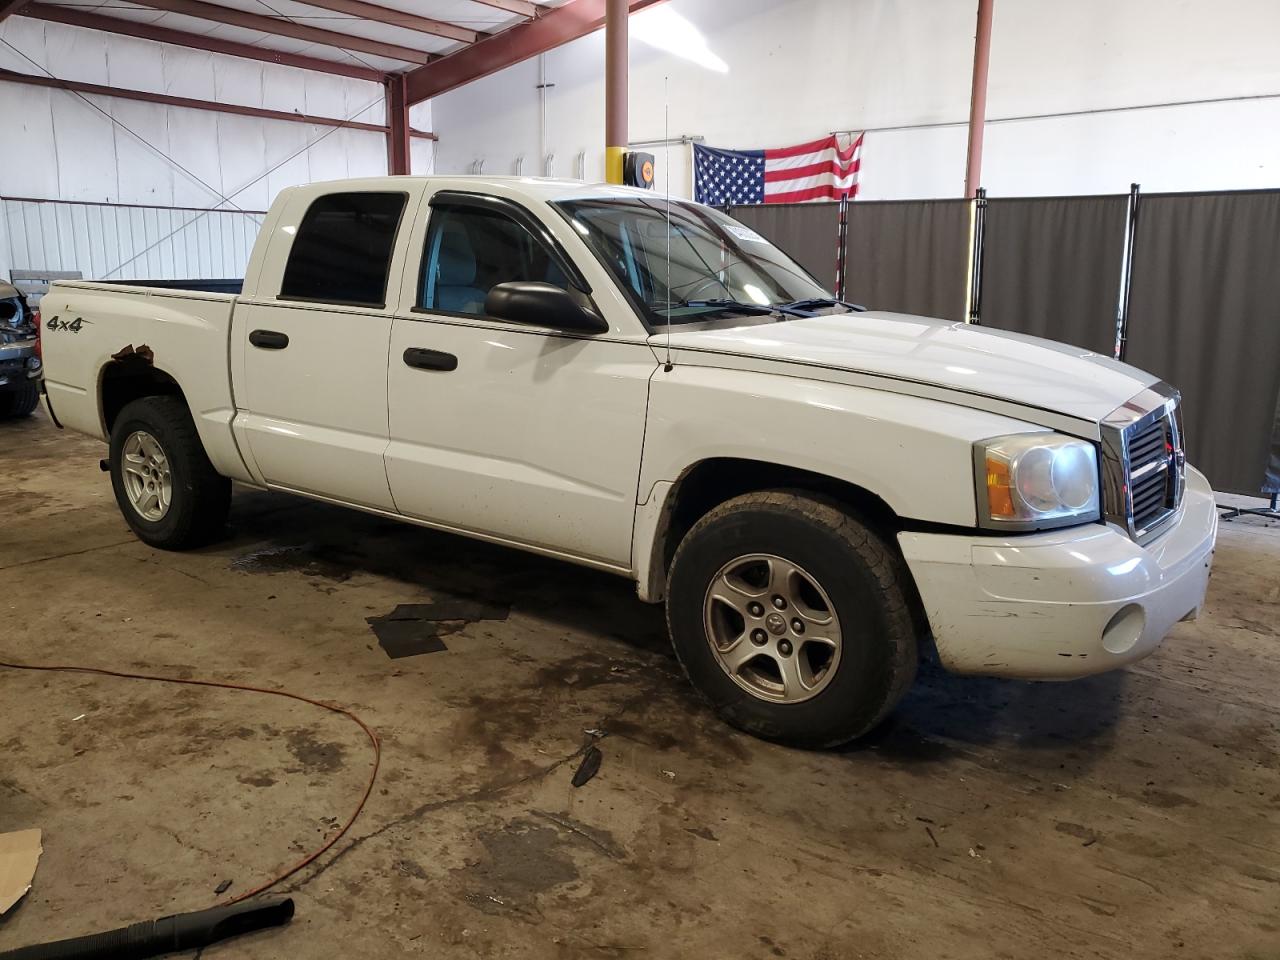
895 449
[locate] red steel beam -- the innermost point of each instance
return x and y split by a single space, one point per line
616 30
399 160
555 27
131 28
287 28
9 7
124 93
397 18
522 7
978 100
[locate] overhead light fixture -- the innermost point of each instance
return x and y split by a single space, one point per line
664 29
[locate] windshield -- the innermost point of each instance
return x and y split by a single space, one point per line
718 265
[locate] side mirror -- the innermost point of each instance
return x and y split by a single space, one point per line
541 305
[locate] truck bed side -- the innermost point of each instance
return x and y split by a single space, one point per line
100 340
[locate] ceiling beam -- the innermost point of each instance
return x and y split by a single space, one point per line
397 18
124 93
522 7
556 26
9 7
131 28
287 28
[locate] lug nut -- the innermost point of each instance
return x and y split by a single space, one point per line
759 637
755 609
797 625
780 603
784 647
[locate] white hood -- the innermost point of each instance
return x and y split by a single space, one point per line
977 360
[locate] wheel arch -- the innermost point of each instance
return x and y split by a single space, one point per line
706 484
123 380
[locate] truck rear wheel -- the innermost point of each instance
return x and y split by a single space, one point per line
166 488
791 618
21 402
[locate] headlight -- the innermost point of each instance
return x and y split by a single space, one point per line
1032 481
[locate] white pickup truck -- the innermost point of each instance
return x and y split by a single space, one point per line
816 491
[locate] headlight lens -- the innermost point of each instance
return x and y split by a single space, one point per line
1031 481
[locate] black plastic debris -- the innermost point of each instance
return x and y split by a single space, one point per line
154 938
589 766
468 610
222 888
412 629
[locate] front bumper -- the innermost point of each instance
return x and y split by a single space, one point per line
18 364
1067 603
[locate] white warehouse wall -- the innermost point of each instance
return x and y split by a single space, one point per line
798 69
62 148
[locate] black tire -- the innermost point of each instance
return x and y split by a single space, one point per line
21 402
200 497
868 586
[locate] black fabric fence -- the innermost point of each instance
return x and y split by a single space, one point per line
1051 268
908 257
1203 311
807 231
1205 316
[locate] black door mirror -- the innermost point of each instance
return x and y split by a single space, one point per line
541 305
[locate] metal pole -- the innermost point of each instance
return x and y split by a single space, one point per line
615 88
1126 271
977 243
398 151
842 233
978 102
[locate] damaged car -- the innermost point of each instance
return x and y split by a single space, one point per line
19 355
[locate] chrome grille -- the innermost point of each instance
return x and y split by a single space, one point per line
1143 463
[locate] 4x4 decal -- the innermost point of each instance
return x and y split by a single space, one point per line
53 324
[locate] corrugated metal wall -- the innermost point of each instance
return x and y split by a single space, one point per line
150 161
114 242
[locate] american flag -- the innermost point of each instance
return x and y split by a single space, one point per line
819 170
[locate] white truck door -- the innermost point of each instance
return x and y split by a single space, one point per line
311 389
523 434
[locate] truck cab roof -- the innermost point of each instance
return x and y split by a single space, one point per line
546 189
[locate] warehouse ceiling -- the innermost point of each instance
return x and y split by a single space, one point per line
356 36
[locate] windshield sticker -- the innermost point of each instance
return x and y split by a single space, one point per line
744 233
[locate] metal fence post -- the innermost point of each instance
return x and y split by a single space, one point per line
1126 272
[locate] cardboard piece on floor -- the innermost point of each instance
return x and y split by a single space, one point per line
19 852
406 638
416 628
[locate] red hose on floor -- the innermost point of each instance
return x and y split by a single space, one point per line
226 685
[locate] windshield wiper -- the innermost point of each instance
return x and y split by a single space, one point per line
724 303
810 302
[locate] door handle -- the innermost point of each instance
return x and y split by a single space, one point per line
269 339
425 359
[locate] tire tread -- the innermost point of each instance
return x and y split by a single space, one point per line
884 563
21 402
202 512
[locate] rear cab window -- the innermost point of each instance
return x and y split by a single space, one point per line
343 249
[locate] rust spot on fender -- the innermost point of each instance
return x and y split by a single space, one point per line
141 352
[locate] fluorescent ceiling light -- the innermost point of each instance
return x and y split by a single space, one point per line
663 28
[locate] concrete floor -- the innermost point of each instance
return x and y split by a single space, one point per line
1131 815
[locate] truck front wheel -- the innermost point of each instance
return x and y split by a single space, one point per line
791 618
166 488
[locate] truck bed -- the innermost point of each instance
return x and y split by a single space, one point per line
90 327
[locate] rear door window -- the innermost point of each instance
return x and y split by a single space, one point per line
342 251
